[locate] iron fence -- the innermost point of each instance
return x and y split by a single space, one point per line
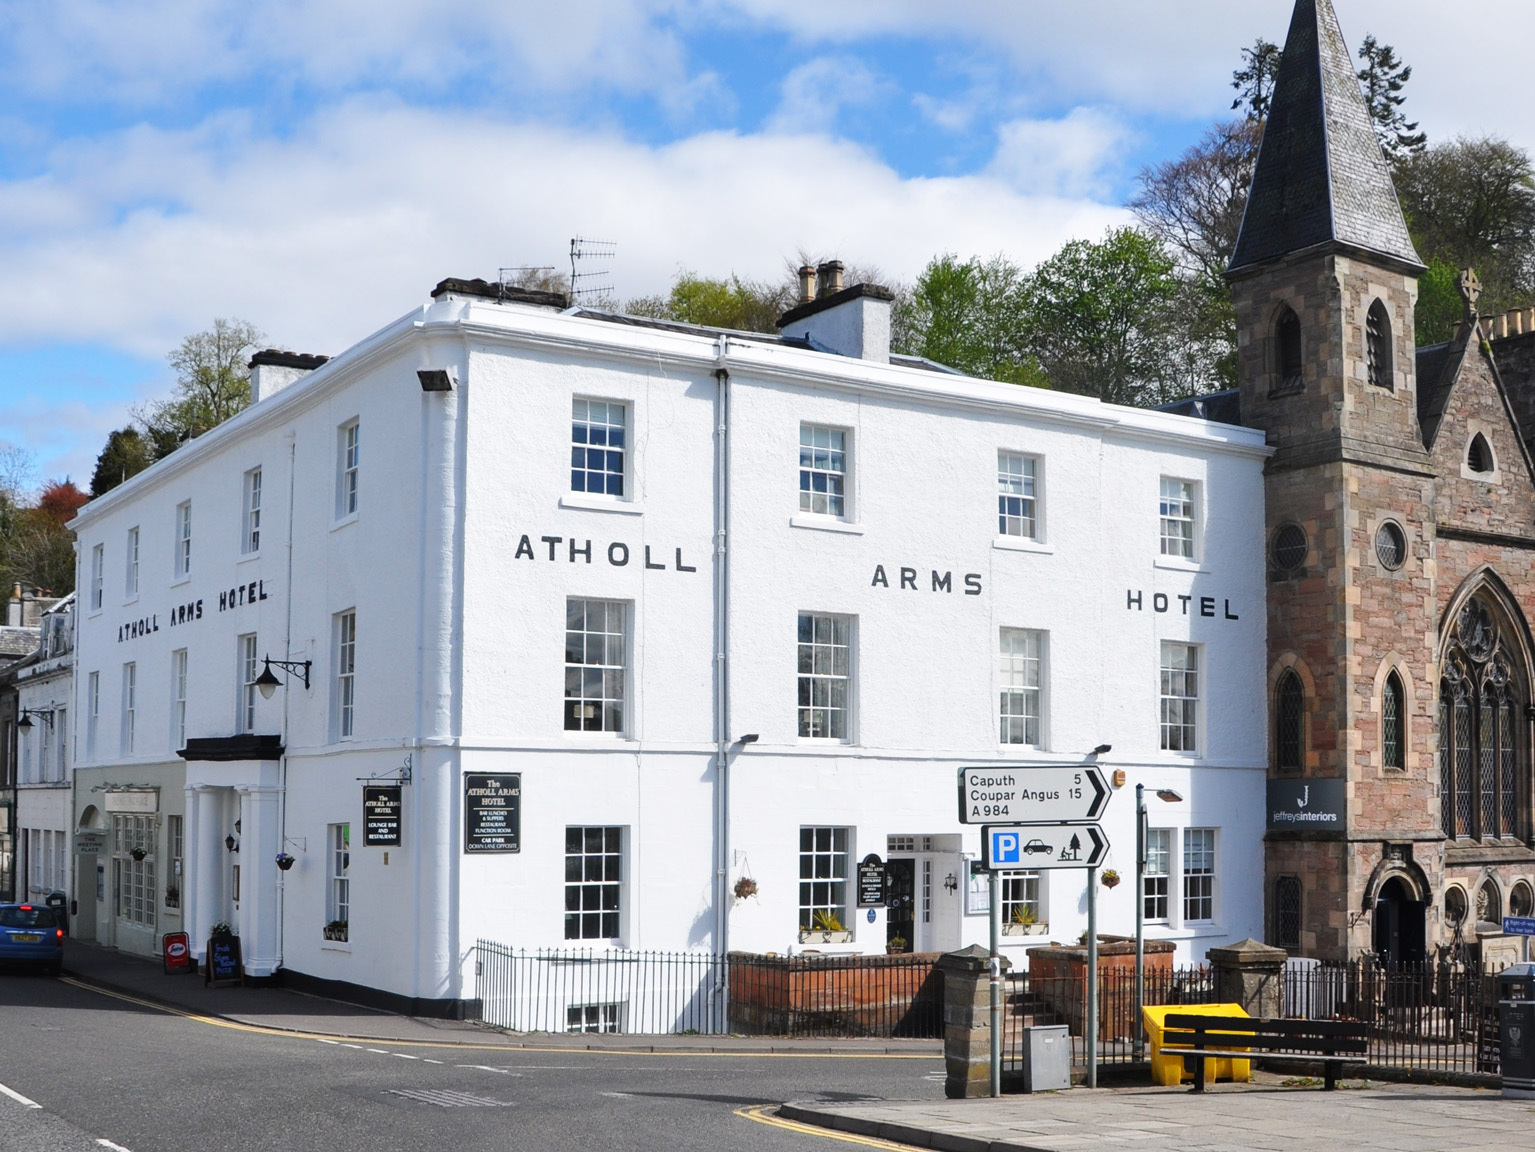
1426 1017
588 990
899 995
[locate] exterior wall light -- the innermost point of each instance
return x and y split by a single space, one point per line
267 682
231 844
435 379
25 723
749 738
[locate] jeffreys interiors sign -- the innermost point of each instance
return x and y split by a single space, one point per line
1302 805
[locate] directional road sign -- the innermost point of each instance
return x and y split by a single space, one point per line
1033 794
1053 846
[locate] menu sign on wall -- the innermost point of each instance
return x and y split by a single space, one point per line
381 815
492 811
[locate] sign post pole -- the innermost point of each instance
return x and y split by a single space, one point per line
994 885
1091 1026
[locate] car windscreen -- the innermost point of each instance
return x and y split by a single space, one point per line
28 918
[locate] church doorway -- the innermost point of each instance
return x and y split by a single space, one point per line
1399 920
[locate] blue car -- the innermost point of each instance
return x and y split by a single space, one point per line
32 935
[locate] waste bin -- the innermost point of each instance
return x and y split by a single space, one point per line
1167 1068
1516 1028
59 902
1046 1058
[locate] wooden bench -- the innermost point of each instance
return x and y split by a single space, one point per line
1332 1043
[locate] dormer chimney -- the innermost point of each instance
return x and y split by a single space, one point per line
806 283
272 371
847 321
828 278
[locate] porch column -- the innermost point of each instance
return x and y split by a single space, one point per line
205 866
258 880
188 878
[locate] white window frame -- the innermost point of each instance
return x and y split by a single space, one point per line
1021 694
583 419
129 707
831 464
92 713
1157 877
1179 711
825 680
825 855
595 871
178 699
1199 871
98 562
250 531
1019 506
131 565
345 691
338 873
183 566
175 850
247 669
1022 892
599 1018
348 464
1179 519
135 891
596 687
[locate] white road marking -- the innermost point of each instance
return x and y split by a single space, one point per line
379 1051
322 1040
445 1098
620 1095
403 1056
19 1098
115 1147
357 1047
488 1068
429 1060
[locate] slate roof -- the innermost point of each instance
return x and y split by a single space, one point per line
1434 384
1221 407
1320 177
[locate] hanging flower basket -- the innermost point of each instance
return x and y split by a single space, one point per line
284 861
745 888
137 853
1110 878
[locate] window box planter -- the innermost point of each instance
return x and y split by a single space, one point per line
825 936
1025 929
336 930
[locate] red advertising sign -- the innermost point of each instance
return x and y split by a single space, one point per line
178 954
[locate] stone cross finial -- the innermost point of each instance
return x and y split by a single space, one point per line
1470 289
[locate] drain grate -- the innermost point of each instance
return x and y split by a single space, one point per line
445 1098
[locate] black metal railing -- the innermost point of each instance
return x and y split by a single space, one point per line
590 990
899 995
1425 1017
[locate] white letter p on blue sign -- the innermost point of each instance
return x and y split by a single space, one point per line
1004 848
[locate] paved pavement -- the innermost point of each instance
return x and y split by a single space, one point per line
1260 1116
282 1008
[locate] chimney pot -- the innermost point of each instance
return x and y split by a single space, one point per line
806 283
828 278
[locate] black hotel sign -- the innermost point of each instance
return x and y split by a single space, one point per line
381 807
492 811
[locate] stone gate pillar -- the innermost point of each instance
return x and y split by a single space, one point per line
1251 974
967 1021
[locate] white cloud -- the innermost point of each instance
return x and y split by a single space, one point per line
816 92
1067 157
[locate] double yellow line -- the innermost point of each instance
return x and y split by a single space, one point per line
762 1114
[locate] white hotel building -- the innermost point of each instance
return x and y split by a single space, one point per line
596 552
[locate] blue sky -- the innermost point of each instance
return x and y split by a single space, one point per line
316 166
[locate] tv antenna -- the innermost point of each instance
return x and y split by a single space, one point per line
594 286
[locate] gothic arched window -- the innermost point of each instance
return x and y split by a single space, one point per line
1287 347
1479 454
1289 716
1393 717
1377 351
1479 731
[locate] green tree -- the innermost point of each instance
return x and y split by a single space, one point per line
127 453
970 315
212 384
1440 306
1383 77
1254 80
36 549
742 305
1106 319
1470 203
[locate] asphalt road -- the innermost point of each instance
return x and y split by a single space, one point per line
106 1073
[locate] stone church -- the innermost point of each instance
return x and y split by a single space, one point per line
1400 506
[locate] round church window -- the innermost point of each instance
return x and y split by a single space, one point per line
1390 545
1521 902
1289 548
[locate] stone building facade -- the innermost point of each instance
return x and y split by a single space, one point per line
1400 512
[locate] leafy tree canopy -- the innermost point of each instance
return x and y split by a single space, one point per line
1383 77
127 453
212 384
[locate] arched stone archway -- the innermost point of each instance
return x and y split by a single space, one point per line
1399 919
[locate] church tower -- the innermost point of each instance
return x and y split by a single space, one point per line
1324 279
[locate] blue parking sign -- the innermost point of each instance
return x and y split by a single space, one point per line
1005 846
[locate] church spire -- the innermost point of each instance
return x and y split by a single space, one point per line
1321 179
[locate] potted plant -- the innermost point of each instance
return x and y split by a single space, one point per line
745 888
336 930
1110 878
221 928
1024 922
172 896
827 927
138 853
897 944
284 861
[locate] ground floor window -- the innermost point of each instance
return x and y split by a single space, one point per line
133 868
1198 875
823 872
591 1018
1157 873
594 875
1287 912
338 898
1020 898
